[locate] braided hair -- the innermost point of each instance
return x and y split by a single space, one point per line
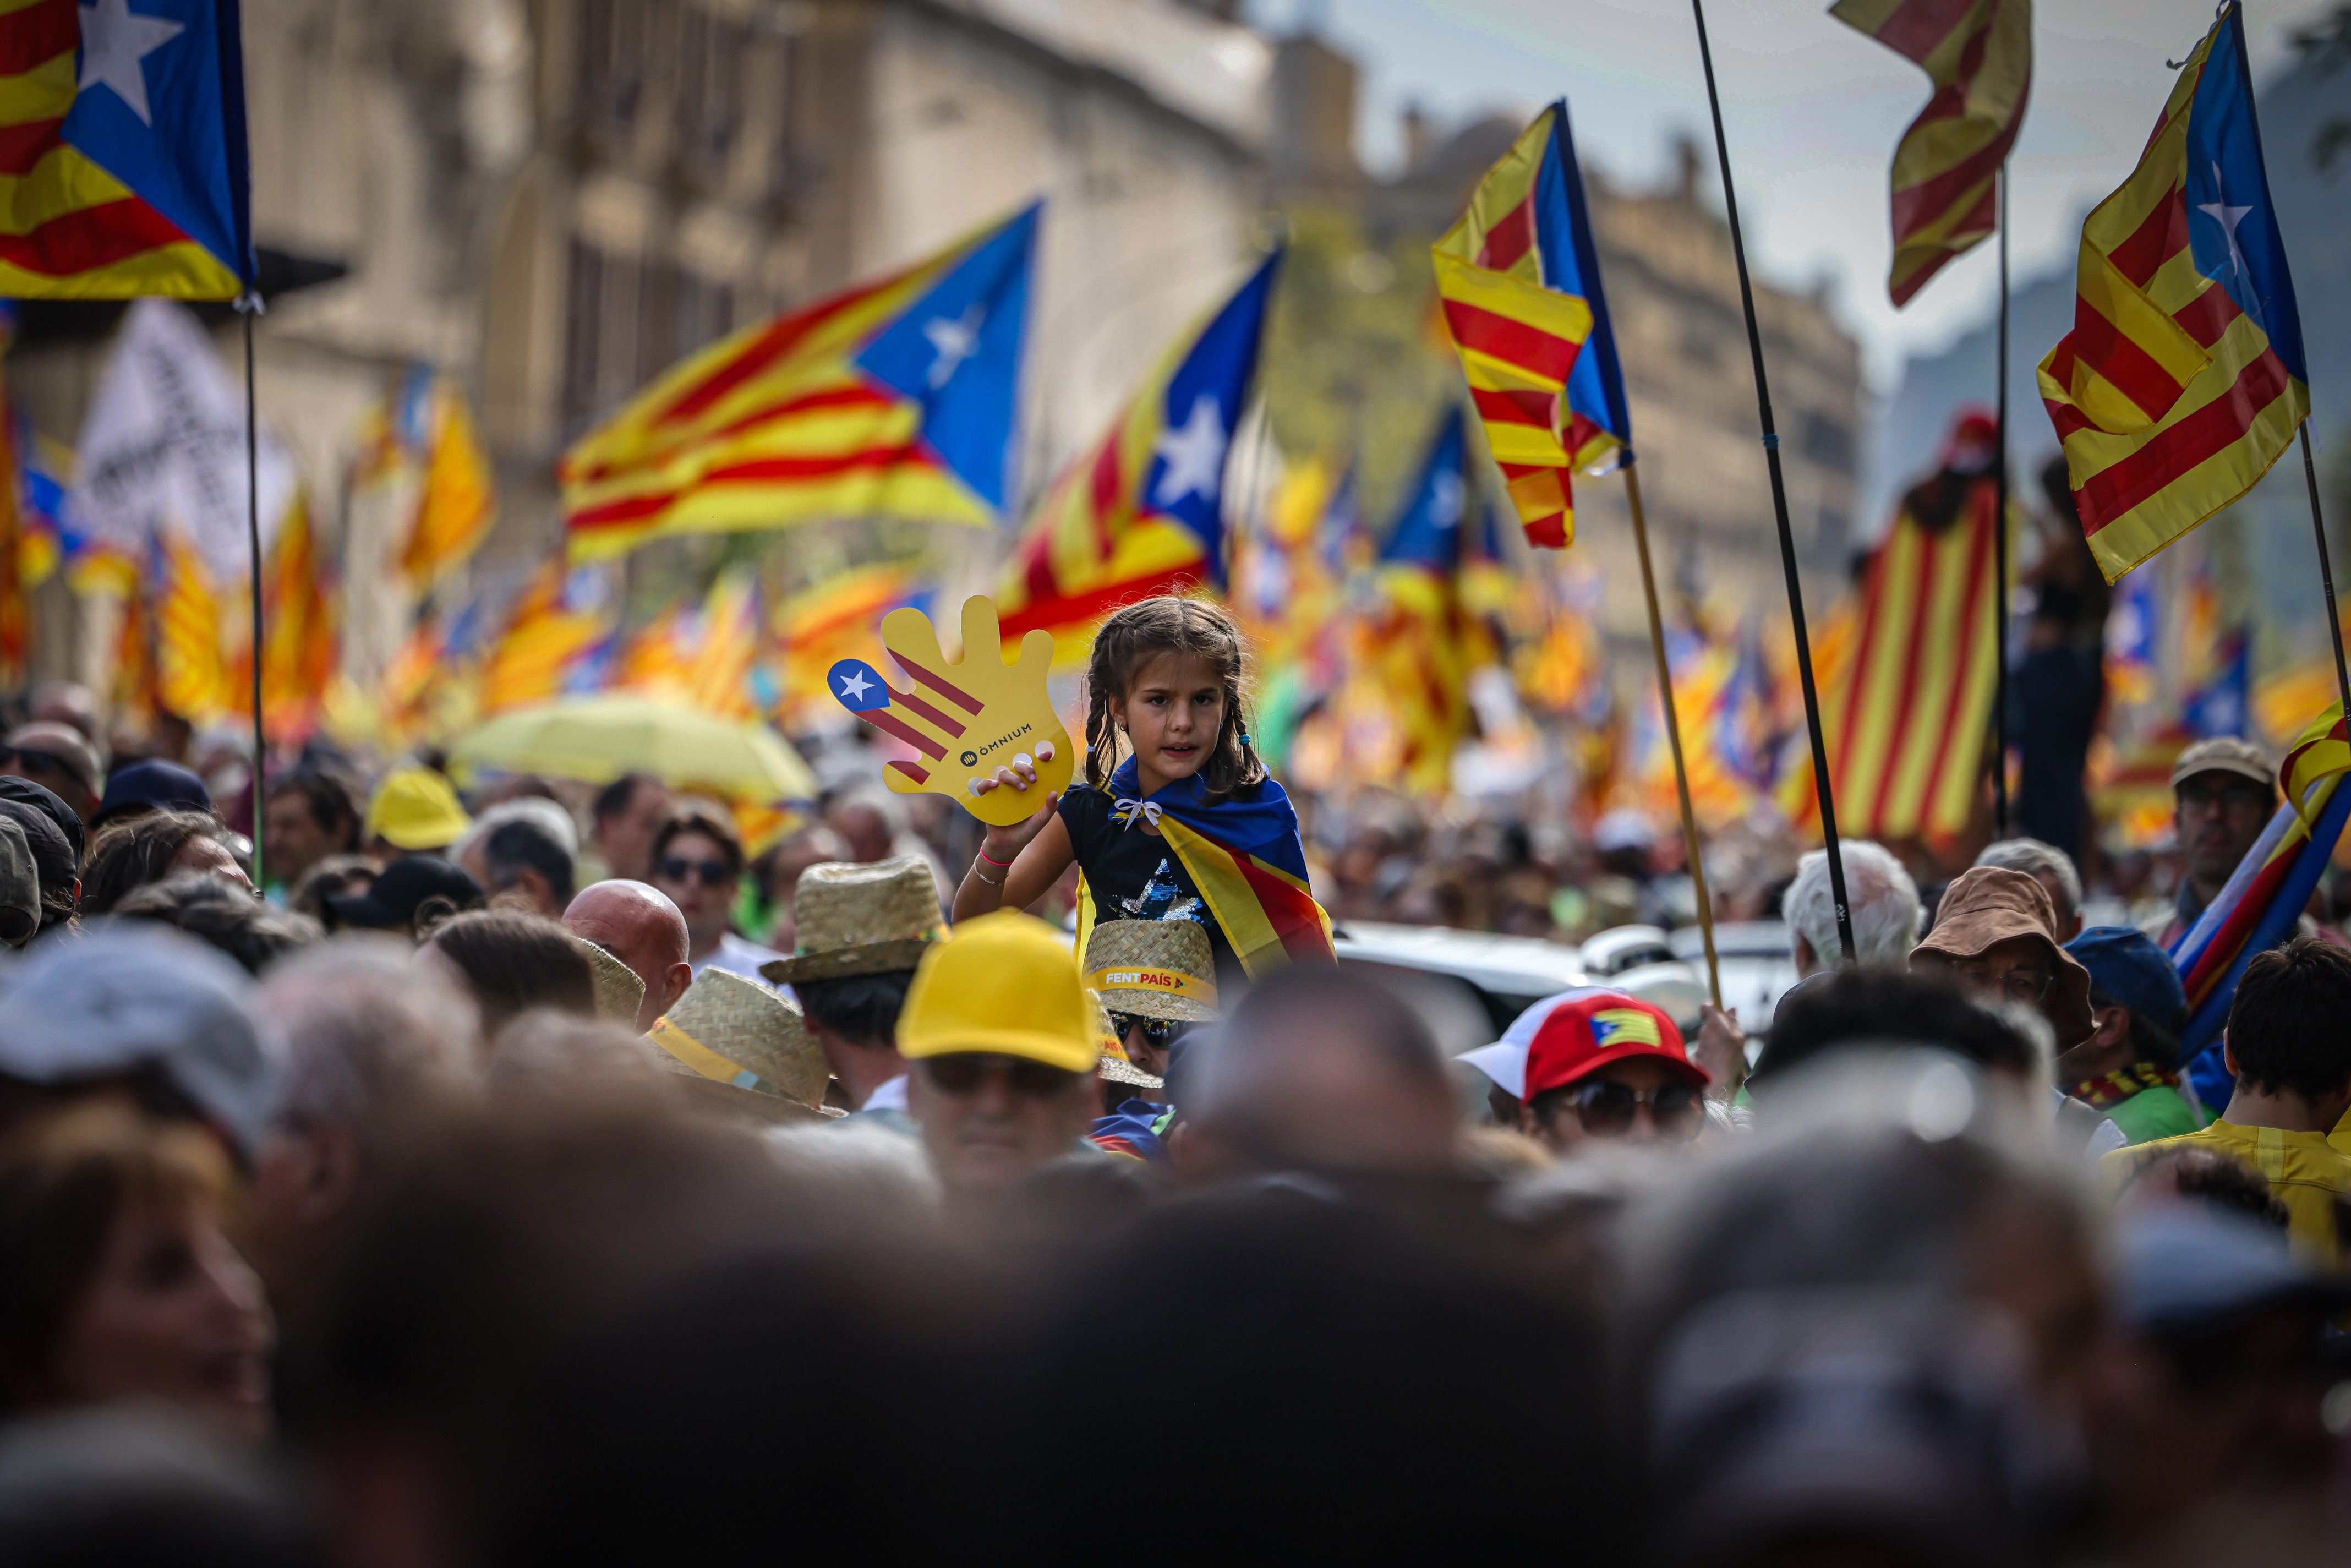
1142 632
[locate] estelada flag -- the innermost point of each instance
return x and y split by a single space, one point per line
1519 277
1906 722
123 139
896 399
1419 638
1143 511
2183 378
1979 55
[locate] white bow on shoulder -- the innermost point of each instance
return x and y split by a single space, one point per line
1134 810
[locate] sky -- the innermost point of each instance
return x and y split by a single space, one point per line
1812 110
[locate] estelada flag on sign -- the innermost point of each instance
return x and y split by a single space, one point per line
1979 55
1518 279
123 139
896 399
2183 378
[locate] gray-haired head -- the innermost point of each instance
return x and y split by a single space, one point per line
372 1035
1883 901
2047 864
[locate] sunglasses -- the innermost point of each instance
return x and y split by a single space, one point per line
963 1073
676 868
2234 796
1606 1109
1157 1033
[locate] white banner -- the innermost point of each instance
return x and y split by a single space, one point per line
164 445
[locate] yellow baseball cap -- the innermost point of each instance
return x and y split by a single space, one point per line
416 809
1001 983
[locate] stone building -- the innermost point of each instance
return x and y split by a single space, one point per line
556 199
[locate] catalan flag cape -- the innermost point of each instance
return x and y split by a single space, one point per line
123 139
1979 55
2262 900
1906 722
1245 855
1144 512
2183 378
1520 283
896 399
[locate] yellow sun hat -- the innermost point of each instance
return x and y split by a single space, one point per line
1001 983
416 809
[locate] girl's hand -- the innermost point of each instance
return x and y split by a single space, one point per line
1003 845
1016 774
1722 1050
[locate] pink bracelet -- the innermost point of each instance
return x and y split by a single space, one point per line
1000 865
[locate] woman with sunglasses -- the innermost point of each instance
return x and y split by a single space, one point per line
1613 1067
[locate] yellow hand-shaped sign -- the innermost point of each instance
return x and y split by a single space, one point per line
967 719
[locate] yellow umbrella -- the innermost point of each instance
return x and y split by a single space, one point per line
598 738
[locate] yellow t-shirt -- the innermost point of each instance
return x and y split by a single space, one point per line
2305 1171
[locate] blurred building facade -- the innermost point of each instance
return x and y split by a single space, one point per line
1673 294
558 199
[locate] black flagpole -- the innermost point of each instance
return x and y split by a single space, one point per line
1999 549
2325 576
249 307
1780 506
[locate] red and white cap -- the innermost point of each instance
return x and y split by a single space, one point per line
1585 1034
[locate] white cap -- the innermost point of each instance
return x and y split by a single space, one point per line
1505 1061
132 994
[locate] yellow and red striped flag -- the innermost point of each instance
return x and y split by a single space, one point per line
1906 724
1517 335
1979 55
561 623
192 678
2183 378
896 398
297 654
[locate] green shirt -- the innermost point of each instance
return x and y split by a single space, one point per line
2161 1112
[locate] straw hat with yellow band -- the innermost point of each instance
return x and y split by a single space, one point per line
860 919
620 990
1154 970
1002 983
733 1031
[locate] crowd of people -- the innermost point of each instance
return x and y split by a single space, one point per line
523 1177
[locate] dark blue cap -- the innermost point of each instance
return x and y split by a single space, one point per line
153 785
2125 964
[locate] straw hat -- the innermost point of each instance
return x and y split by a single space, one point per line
731 1100
1113 1064
853 918
620 990
731 1030
1154 970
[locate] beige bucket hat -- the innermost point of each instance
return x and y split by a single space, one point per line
733 1031
854 918
1153 969
620 990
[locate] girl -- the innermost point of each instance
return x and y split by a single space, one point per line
1187 826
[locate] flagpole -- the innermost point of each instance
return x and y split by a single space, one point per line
2326 574
249 306
1999 548
1673 728
1821 787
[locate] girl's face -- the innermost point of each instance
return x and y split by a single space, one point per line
174 1314
1174 710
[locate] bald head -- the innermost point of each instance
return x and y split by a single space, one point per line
640 927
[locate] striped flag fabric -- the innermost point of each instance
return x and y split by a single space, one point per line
1519 284
122 140
1906 721
1979 55
2262 900
2184 378
1419 646
896 399
556 639
1142 512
